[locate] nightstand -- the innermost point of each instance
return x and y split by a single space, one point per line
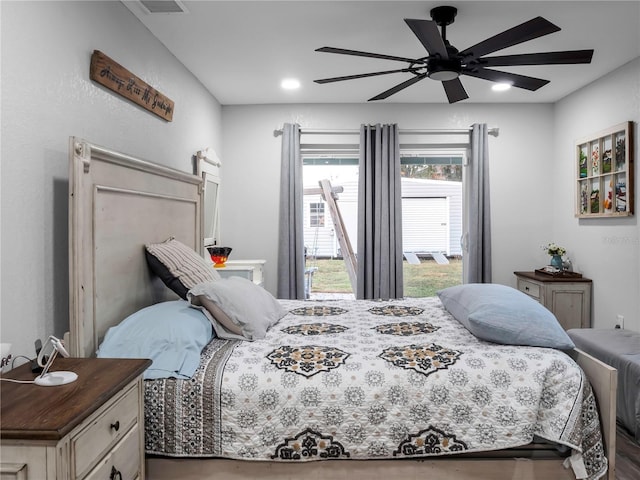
250 269
569 299
90 429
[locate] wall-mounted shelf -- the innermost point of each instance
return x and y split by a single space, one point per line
604 161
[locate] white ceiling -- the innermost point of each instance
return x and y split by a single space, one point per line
241 50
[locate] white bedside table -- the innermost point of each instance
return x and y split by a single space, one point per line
569 299
253 270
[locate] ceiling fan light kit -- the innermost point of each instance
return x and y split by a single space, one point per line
446 64
443 70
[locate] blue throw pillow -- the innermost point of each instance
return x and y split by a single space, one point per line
502 314
171 334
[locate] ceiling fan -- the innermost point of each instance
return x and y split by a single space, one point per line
446 63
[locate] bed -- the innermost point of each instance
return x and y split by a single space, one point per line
119 203
621 349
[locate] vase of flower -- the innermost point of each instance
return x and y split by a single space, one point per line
556 261
556 253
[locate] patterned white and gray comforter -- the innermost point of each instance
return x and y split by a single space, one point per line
370 380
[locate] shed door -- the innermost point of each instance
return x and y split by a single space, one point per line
425 225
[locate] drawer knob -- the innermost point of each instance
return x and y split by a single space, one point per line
116 426
115 474
526 288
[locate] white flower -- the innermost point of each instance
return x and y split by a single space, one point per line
553 249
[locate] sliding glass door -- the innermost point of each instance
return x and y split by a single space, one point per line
432 210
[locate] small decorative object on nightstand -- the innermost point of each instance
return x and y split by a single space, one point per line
566 294
88 429
219 255
556 253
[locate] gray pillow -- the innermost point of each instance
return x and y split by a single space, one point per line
502 314
237 307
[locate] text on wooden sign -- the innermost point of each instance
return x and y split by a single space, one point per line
115 77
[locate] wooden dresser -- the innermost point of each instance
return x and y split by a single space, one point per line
90 429
569 299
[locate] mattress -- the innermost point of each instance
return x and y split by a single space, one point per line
371 380
620 349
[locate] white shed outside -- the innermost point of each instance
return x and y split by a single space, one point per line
431 218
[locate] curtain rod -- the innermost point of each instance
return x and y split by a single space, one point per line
493 131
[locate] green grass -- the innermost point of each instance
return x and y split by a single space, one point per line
422 280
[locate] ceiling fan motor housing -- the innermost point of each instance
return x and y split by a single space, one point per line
444 69
444 15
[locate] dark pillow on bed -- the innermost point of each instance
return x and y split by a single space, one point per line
171 334
502 314
179 266
237 307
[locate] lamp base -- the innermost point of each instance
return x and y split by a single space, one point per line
52 379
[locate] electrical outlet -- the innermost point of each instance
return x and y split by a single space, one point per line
620 321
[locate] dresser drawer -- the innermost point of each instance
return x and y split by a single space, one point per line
13 471
108 428
530 288
123 459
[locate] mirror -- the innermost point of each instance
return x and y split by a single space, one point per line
208 168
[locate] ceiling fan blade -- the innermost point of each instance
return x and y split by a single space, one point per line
520 81
429 35
454 90
357 53
397 88
361 75
524 32
547 58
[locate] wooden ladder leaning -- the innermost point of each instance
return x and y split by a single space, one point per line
329 196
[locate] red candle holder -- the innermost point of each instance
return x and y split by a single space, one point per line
219 255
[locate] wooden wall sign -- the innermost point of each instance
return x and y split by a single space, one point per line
120 80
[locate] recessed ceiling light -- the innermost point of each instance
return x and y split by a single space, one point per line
290 83
501 87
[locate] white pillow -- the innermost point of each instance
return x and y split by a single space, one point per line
237 308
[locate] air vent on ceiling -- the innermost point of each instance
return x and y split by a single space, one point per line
163 6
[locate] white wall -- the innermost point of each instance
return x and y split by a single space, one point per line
606 250
521 172
47 96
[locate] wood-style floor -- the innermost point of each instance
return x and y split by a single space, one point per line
627 456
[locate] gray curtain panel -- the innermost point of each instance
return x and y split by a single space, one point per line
291 238
477 242
379 254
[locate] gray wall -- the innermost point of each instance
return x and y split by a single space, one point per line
47 96
522 216
532 181
606 250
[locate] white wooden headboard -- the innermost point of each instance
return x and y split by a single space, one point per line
117 204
